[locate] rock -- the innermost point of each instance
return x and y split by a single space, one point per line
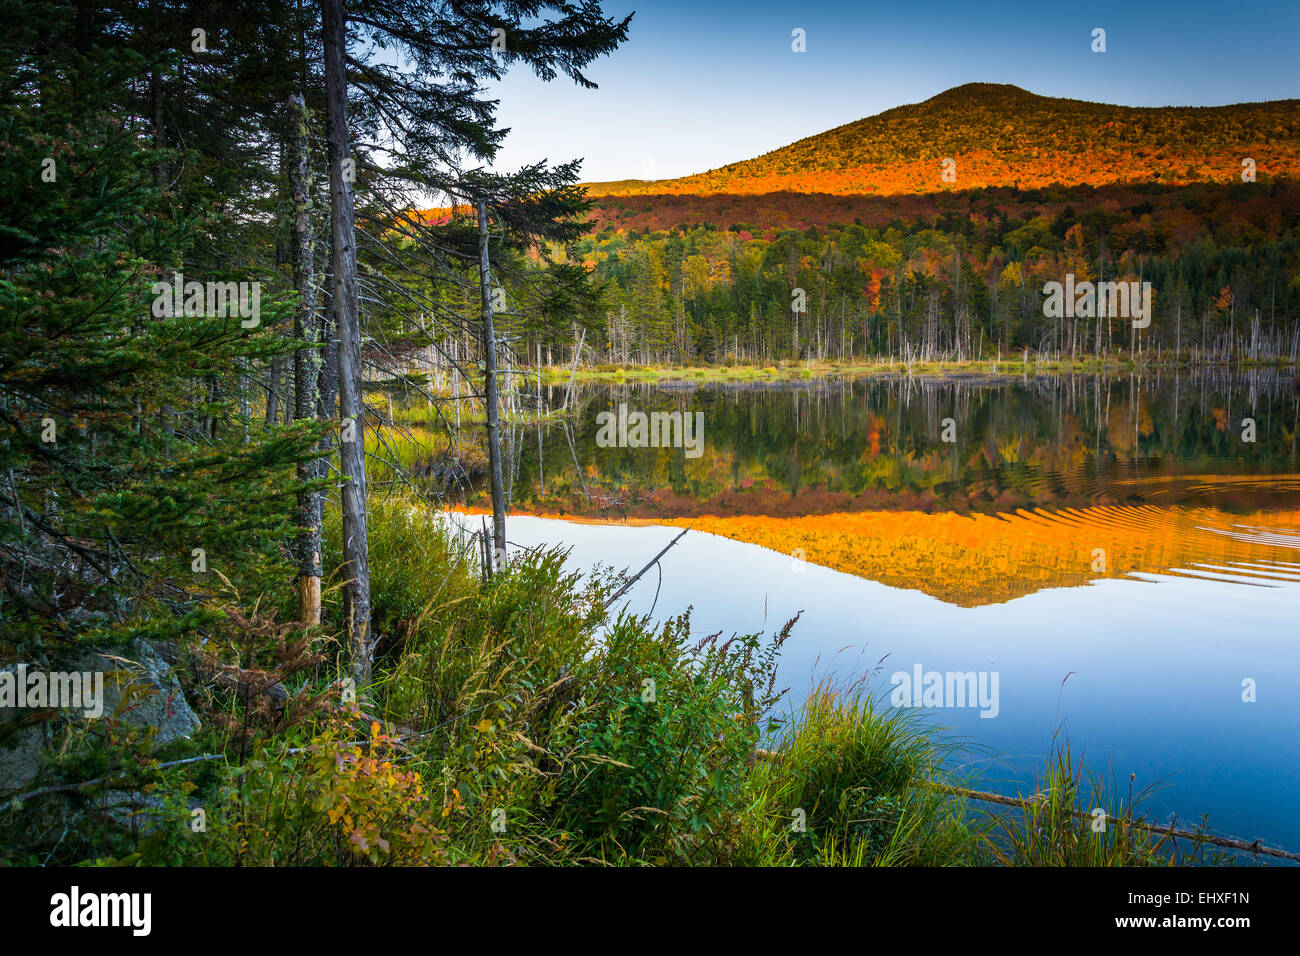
164 705
138 688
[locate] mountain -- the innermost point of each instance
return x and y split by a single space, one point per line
1002 136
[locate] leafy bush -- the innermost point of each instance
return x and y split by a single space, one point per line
662 749
342 798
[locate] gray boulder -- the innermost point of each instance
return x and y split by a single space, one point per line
138 687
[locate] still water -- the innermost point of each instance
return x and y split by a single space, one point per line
1116 550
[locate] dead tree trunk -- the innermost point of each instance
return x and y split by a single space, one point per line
346 308
490 388
306 361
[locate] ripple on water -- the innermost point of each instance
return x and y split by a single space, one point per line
979 559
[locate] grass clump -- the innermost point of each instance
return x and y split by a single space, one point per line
845 786
1076 819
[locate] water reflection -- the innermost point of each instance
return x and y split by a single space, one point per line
839 446
1050 482
1144 675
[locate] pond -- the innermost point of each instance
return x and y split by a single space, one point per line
1113 557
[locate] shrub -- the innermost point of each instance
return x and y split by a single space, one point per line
661 751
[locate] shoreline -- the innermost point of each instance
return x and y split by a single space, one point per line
974 369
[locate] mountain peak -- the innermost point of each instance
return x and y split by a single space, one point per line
980 135
971 91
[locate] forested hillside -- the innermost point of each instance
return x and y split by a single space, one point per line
1000 135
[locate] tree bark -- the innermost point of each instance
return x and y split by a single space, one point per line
158 111
306 361
274 375
346 308
490 389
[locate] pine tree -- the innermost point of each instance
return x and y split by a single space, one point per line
124 484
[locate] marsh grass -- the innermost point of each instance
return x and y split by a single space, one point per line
843 787
786 371
1077 818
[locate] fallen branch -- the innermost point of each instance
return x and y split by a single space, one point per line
20 798
577 357
624 589
1232 843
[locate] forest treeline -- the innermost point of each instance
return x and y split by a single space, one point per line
1223 262
901 256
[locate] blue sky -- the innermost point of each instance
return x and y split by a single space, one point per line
704 83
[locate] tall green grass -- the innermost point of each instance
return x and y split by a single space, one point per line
843 788
1076 818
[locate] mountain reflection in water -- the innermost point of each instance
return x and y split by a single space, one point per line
1053 481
